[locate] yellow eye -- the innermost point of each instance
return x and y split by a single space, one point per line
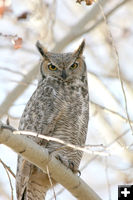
52 67
74 65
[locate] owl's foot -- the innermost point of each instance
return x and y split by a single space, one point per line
69 165
58 157
72 167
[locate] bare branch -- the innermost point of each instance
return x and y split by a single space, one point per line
11 70
8 168
40 157
117 65
111 111
10 182
78 30
74 33
50 180
86 148
11 97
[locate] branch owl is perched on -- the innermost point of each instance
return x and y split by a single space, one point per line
59 107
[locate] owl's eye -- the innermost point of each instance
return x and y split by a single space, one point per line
52 67
74 65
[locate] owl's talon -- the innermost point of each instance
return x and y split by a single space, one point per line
58 157
72 167
79 173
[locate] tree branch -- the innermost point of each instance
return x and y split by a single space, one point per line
75 32
40 157
16 92
79 29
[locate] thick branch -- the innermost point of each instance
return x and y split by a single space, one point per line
40 157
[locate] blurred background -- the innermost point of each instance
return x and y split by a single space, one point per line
107 27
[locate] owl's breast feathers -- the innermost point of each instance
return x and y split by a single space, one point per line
58 110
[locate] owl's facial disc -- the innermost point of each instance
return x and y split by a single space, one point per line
64 67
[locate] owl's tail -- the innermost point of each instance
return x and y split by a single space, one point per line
34 192
37 187
31 182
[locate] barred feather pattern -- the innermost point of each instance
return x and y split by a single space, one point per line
58 108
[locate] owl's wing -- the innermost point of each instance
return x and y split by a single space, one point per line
43 110
40 115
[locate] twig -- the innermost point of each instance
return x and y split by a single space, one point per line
117 64
11 97
117 138
11 70
40 157
79 30
50 180
57 193
4 165
59 46
48 138
102 19
111 111
8 168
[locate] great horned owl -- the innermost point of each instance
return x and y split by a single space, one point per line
59 107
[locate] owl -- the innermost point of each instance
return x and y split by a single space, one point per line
59 107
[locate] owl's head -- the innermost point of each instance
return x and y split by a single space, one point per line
63 66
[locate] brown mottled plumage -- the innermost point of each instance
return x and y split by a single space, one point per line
59 107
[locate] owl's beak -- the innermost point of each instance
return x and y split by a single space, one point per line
64 75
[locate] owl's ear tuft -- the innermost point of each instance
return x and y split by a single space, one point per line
80 49
41 49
